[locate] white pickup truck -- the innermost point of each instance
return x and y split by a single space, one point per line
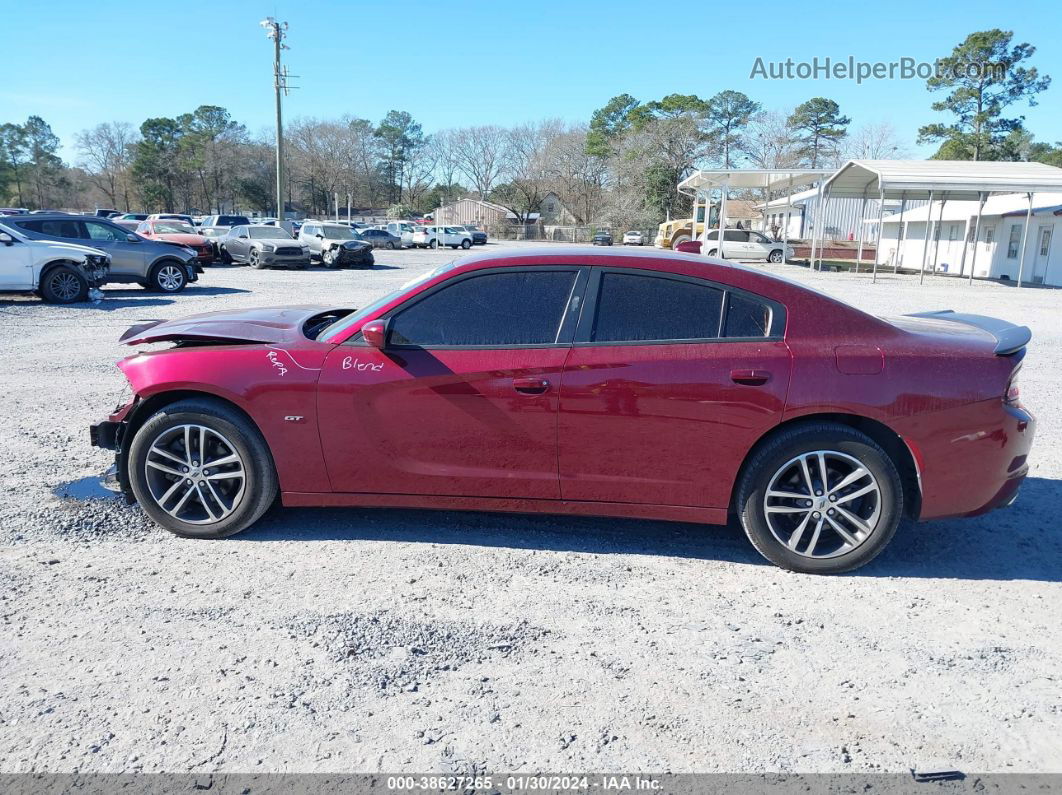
60 273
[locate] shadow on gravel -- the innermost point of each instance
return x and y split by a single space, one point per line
86 488
1022 542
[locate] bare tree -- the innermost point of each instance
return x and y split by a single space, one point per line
481 154
106 156
770 142
576 175
873 141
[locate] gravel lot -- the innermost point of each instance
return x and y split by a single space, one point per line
360 640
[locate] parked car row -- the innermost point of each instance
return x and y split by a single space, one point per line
155 264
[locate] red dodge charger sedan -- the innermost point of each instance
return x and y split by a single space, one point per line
568 380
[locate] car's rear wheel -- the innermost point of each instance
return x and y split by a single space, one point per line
391 244
63 285
776 256
466 244
200 469
820 499
167 277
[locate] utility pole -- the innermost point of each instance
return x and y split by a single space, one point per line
277 31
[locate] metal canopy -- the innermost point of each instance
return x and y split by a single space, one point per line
770 178
957 179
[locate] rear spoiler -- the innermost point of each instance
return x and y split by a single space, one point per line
1009 338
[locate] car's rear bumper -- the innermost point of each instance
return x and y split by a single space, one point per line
974 461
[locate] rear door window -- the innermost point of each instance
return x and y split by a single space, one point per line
633 307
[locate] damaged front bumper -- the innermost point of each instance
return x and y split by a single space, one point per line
109 434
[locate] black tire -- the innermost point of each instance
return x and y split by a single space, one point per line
885 506
433 244
328 258
711 252
466 244
255 259
391 245
776 256
260 484
168 276
224 255
62 284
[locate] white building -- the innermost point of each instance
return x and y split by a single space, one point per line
951 238
841 221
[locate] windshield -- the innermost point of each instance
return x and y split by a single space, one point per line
173 228
268 233
338 232
365 311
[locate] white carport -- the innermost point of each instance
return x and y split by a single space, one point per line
942 180
701 183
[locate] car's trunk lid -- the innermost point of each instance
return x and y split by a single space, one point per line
1000 336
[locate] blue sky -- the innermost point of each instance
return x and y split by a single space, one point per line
460 63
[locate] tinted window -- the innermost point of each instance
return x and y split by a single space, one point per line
520 308
735 235
233 220
631 307
746 317
53 228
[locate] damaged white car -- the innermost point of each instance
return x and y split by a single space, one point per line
60 273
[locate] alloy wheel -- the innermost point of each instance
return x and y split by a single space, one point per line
822 504
170 278
195 474
65 286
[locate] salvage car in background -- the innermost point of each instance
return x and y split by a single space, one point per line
379 238
336 245
164 267
180 233
225 221
262 246
740 244
60 273
452 236
570 380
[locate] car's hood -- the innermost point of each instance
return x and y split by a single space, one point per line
272 325
278 241
181 239
74 247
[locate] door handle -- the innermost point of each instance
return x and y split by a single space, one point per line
750 377
530 386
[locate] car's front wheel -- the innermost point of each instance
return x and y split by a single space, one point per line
167 277
201 469
328 258
63 285
255 259
820 499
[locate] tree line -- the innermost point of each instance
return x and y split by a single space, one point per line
621 166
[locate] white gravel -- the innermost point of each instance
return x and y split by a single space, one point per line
361 640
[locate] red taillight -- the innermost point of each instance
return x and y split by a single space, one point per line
1012 395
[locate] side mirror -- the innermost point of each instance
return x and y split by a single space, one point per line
132 238
319 236
375 333
6 239
243 237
